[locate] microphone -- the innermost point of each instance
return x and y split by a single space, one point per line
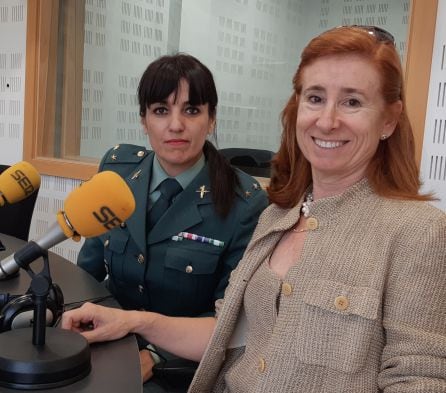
95 207
59 357
18 182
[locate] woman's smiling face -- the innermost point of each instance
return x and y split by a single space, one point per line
341 117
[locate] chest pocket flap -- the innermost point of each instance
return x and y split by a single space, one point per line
199 262
344 299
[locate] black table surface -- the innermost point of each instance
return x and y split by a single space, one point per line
115 365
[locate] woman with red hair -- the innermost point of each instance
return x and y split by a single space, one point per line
342 287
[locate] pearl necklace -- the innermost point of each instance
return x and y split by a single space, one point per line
305 209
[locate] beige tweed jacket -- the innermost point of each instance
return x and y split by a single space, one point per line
386 260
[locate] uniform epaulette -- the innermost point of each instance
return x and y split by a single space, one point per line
125 154
249 186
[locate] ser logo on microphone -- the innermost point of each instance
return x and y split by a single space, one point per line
107 218
23 181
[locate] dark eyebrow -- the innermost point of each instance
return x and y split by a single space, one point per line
165 102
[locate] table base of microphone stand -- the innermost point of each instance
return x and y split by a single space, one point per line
62 360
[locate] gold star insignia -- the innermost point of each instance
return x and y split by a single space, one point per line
202 190
114 157
247 194
116 147
255 186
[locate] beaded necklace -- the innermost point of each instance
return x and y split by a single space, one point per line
305 211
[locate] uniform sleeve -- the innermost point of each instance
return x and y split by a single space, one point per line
91 255
414 355
244 229
91 258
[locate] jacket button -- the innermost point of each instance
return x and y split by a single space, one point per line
122 224
341 303
140 259
312 223
262 365
140 288
140 153
106 243
189 269
287 289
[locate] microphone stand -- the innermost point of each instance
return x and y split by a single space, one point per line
58 359
40 288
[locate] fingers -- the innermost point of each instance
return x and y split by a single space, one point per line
82 320
75 319
96 323
95 335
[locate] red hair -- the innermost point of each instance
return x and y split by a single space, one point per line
392 172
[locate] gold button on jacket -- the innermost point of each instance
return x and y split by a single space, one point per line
312 223
262 365
341 303
287 289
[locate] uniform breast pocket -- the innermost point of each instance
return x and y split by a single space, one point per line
192 276
115 252
337 324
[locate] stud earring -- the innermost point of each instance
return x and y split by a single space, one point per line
383 137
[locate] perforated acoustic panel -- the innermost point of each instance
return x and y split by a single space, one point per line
52 193
12 79
433 163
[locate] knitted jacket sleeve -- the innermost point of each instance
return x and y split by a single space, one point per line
414 310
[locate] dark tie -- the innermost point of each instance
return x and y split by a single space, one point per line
169 188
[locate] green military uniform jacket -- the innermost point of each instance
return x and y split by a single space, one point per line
157 271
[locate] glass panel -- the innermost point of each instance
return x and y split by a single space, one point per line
251 46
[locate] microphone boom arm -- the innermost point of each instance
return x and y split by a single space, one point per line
10 266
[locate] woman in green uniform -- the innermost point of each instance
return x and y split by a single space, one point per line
194 212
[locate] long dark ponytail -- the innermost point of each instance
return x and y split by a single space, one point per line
224 180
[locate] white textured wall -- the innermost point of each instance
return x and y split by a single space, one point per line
12 78
433 163
53 190
321 13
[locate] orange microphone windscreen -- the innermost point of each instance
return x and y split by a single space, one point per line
18 182
96 206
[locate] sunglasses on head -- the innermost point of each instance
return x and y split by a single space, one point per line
379 33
